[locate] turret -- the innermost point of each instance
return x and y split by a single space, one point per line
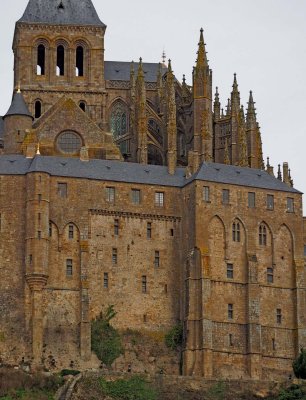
17 121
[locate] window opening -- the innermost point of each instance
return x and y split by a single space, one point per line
157 259
136 196
262 235
41 57
79 62
206 194
230 271
270 275
105 280
118 120
116 227
230 340
110 194
230 311
225 196
71 231
159 199
69 142
290 204
62 189
236 232
37 113
115 256
251 199
149 230
279 316
82 106
60 61
270 202
144 284
69 267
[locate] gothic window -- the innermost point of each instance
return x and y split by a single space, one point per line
60 60
69 143
41 59
37 110
119 119
236 231
71 231
263 235
79 61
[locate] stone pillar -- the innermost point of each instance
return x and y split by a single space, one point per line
36 283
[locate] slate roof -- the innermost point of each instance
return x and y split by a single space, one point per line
73 12
117 171
120 71
18 106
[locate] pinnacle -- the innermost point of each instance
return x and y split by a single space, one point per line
202 56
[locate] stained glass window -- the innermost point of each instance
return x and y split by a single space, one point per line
118 120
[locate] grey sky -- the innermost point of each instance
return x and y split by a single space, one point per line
264 41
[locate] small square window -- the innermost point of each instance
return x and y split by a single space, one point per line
115 256
225 196
230 271
135 196
159 199
206 194
290 205
69 267
230 311
270 275
105 280
157 259
270 202
279 316
110 194
62 189
144 284
71 231
149 230
251 200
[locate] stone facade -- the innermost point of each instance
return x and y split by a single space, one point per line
216 247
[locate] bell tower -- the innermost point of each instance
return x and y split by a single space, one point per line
59 50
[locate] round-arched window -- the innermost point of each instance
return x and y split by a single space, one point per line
69 142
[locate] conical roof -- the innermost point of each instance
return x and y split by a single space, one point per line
18 106
61 12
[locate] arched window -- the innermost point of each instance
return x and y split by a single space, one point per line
60 61
154 155
263 235
236 232
41 59
82 105
37 112
79 61
119 119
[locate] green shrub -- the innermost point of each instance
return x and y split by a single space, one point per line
299 365
174 338
135 388
294 392
217 391
105 339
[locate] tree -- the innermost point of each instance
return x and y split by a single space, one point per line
299 365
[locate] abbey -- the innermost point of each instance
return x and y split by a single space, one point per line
121 185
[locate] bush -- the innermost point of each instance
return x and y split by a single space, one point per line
174 338
105 340
135 388
295 392
299 365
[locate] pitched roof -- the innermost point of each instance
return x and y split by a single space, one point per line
61 12
118 171
233 175
120 71
18 106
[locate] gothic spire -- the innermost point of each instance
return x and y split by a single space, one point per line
141 100
235 97
251 112
202 56
217 105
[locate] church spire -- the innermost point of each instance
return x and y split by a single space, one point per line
243 151
251 112
202 56
217 105
235 97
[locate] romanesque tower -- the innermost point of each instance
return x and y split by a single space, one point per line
59 50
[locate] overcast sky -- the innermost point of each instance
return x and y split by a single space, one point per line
263 41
